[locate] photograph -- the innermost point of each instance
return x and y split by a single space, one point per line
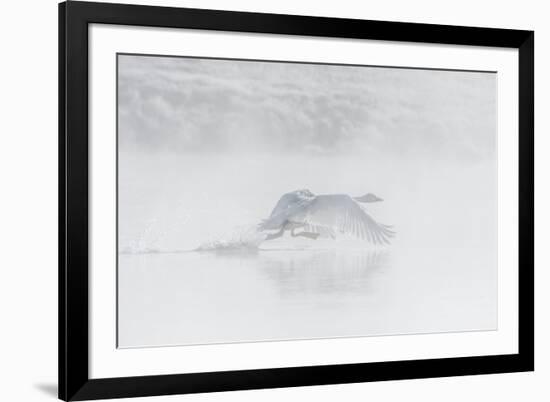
266 200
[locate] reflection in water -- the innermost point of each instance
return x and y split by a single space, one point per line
280 294
323 272
301 271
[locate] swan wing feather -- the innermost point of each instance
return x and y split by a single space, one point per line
341 213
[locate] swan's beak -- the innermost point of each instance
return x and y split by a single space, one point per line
368 198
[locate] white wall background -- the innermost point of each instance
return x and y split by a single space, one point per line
28 205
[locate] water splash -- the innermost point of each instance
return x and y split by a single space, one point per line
147 242
243 238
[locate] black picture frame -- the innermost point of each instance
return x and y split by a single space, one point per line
74 381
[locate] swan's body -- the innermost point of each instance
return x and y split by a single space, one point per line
325 215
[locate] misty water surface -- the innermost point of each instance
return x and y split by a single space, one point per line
438 275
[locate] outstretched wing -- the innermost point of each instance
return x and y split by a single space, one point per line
341 213
287 205
286 201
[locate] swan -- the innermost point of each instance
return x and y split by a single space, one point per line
324 215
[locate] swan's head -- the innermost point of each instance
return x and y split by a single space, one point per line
370 197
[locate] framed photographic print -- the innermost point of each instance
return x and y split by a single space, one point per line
257 200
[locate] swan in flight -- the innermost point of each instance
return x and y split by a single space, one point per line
325 215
